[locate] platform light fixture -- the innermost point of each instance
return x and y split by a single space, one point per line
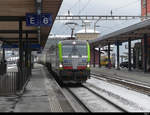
39 1
38 7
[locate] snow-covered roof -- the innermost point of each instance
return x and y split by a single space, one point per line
59 36
87 31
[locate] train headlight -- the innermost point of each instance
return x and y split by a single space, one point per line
60 65
88 65
73 42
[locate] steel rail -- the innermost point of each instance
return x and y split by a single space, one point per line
100 96
78 100
138 86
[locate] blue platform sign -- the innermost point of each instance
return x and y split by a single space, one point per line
33 46
9 46
45 19
119 43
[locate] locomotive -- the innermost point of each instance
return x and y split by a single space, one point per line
69 60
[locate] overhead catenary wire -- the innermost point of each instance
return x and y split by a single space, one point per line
126 5
84 7
112 27
74 4
112 11
77 4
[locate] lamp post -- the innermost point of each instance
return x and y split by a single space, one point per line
38 10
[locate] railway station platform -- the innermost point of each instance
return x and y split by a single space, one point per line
42 94
134 75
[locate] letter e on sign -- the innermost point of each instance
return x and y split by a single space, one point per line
32 19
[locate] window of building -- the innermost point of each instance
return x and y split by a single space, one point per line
144 3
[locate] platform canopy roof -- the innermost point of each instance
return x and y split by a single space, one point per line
13 10
134 32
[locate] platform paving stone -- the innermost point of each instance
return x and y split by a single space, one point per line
33 104
41 95
35 97
7 103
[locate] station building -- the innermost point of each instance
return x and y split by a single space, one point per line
145 11
145 7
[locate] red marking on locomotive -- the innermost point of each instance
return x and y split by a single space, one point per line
81 67
68 67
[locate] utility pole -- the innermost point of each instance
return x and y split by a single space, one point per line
72 31
111 12
69 12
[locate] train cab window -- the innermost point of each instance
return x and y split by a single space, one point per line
80 50
66 50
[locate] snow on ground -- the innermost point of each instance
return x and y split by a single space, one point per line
131 100
94 103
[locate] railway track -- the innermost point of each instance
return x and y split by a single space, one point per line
134 85
85 96
78 100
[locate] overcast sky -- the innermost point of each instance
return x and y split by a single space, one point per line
98 7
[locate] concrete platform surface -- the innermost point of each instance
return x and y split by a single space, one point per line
42 94
7 104
135 75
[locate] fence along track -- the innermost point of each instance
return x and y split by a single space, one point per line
12 82
8 83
